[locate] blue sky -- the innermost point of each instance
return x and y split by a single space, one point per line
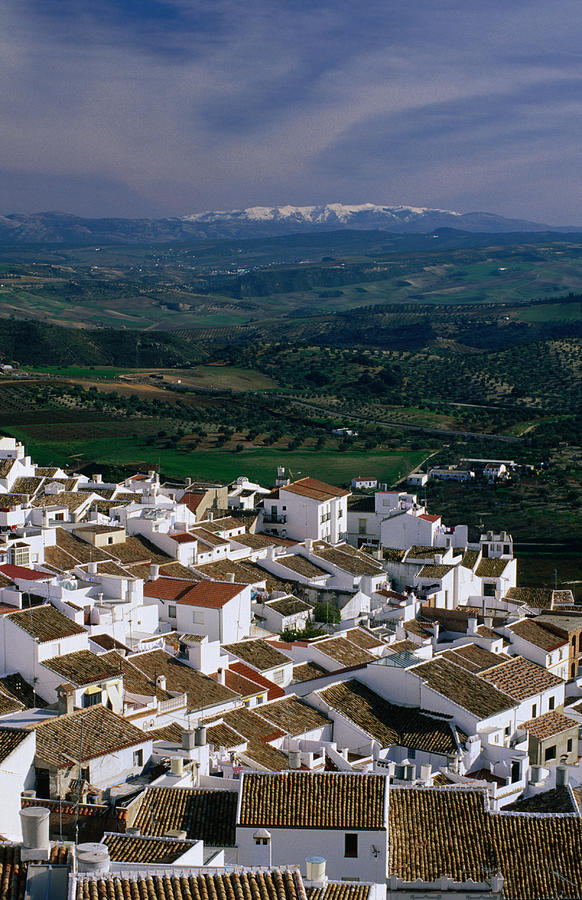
165 107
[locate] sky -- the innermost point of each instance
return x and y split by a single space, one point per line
168 107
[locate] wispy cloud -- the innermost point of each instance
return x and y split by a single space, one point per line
171 106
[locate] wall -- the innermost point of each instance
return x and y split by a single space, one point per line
16 775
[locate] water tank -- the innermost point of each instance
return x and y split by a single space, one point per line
315 868
177 765
294 759
92 859
188 739
35 827
200 736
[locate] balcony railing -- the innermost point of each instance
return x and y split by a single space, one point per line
274 519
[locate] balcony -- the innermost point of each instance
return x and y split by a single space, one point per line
274 519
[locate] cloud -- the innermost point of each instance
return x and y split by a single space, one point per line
172 106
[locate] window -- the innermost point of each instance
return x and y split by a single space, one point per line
515 771
489 590
198 618
550 753
361 526
534 710
85 774
351 846
506 550
551 702
569 745
171 612
138 758
92 699
507 731
411 753
21 556
339 513
277 676
109 539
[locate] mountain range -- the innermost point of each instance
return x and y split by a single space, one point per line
252 222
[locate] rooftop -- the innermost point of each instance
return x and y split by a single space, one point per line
520 678
344 651
85 734
473 657
264 884
202 691
293 716
470 691
207 594
536 634
82 667
316 490
148 850
313 800
549 724
204 815
258 653
45 623
388 723
491 568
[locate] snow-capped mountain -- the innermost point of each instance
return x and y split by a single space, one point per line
253 222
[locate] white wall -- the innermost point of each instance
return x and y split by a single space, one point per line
16 775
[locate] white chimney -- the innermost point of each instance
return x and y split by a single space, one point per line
92 568
471 625
97 477
188 739
200 736
35 832
438 559
315 869
308 544
161 682
221 677
262 854
294 759
177 765
562 773
92 859
154 572
488 621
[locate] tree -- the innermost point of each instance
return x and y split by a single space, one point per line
326 612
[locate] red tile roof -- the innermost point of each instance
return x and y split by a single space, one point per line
22 572
183 537
192 500
210 594
274 691
429 518
317 490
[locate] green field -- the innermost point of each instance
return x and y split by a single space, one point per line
223 465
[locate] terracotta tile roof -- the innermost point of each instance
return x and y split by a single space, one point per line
134 680
85 734
388 723
413 626
209 537
171 569
220 735
148 850
23 572
59 559
261 884
249 724
79 549
238 683
405 646
109 643
71 499
550 723
307 671
393 554
209 816
274 691
254 541
467 690
436 831
491 568
293 716
288 606
316 490
536 634
429 518
301 566
538 597
27 485
266 756
436 572
202 691
422 551
556 800
6 467
171 733
350 560
244 573
10 739
470 558
339 890
473 658
9 704
192 500
82 667
21 690
258 653
208 594
343 651
45 623
363 639
183 537
520 678
13 873
312 800
137 549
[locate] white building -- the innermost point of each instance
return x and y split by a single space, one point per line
221 610
306 508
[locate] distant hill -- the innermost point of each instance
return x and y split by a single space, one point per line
254 222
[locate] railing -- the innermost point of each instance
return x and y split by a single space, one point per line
273 518
174 703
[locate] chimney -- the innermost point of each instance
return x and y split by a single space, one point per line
221 677
435 633
96 478
488 621
425 773
308 544
438 559
35 833
177 765
92 859
562 773
92 568
154 572
200 736
262 854
295 759
188 739
315 870
161 682
188 482
65 699
471 625
229 577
